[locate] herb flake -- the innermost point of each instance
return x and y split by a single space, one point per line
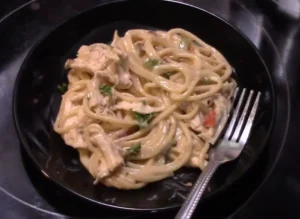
151 63
134 149
143 119
62 88
105 89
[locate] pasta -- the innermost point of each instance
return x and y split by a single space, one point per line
144 106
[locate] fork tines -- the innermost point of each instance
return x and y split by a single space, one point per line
243 116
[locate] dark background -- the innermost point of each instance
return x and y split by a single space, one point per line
277 197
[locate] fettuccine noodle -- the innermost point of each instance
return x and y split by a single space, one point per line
144 106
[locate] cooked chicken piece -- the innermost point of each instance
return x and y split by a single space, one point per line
109 150
197 122
95 164
98 166
195 159
228 89
221 109
95 59
207 134
124 78
74 136
137 107
96 99
89 58
102 170
105 62
101 103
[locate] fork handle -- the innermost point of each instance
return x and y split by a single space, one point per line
187 209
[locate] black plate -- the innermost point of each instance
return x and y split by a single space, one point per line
36 99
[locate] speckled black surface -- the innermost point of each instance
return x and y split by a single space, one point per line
271 31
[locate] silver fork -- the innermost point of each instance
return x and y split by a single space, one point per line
228 148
